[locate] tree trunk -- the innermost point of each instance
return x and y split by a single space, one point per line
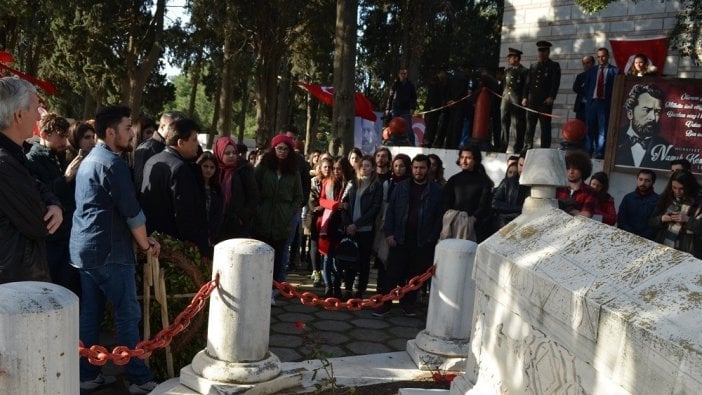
416 33
283 108
138 73
195 72
244 88
266 87
344 73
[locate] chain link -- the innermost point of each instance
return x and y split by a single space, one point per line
308 298
120 355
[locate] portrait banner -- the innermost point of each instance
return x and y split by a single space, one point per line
653 121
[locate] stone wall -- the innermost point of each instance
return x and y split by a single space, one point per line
575 33
568 305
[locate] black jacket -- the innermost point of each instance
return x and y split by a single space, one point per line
173 198
143 153
48 168
240 213
371 200
23 201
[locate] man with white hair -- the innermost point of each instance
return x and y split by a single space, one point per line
28 210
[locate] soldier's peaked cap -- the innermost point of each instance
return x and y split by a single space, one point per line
543 44
513 52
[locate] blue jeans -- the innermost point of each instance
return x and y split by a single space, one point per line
285 257
597 122
113 283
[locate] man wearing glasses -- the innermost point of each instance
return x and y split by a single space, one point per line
47 161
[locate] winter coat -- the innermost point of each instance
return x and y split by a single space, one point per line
280 199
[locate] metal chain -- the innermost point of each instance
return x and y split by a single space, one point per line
308 298
120 355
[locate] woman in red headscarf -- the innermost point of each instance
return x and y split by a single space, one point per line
239 189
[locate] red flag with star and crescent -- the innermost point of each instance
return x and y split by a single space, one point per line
325 94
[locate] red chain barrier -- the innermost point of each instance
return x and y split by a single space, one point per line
308 298
120 355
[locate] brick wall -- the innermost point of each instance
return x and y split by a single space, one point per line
574 33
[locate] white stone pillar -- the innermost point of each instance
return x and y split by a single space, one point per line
544 171
237 355
39 339
445 342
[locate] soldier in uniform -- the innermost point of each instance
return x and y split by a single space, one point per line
515 79
540 91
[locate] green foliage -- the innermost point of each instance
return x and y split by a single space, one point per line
686 36
593 6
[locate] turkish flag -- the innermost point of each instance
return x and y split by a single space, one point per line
655 49
6 57
325 94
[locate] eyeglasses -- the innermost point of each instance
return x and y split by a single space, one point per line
282 148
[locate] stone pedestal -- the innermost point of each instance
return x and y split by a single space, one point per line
444 344
237 358
569 305
39 346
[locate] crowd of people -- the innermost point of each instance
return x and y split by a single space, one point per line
79 201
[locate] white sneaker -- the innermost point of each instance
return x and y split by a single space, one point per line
143 388
99 381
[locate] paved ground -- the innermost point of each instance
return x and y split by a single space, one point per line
336 333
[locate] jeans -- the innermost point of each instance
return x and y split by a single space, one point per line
362 267
285 256
331 275
113 283
597 121
62 273
405 262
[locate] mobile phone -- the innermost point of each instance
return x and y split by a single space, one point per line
81 152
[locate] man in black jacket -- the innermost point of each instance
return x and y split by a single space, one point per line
47 161
153 146
402 100
172 194
28 210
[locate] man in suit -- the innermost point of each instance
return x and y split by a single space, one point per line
541 89
579 88
640 144
513 116
599 82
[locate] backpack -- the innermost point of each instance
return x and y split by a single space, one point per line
346 253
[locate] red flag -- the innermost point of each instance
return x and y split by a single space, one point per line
6 57
325 94
655 49
47 86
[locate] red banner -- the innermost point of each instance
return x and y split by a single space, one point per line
6 57
655 49
325 94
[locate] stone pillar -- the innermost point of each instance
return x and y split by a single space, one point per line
39 347
237 356
444 343
544 171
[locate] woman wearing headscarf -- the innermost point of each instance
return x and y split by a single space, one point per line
239 188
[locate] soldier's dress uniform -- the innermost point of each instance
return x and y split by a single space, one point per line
543 81
511 115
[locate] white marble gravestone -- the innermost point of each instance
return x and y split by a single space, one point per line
569 305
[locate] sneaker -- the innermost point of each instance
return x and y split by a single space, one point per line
98 382
143 388
409 311
381 311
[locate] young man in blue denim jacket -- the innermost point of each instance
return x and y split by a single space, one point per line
106 221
